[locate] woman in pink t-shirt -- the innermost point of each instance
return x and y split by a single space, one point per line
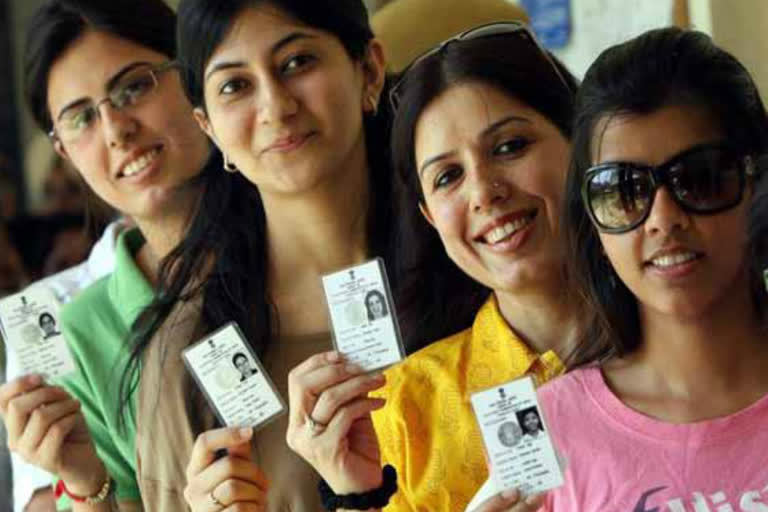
669 407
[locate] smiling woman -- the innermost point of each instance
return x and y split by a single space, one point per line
100 83
289 93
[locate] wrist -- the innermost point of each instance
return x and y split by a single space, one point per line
347 487
87 485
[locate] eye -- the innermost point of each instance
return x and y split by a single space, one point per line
446 176
297 63
233 86
83 119
512 146
137 88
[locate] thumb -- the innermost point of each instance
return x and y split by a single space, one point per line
243 450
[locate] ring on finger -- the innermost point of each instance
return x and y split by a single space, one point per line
316 426
215 500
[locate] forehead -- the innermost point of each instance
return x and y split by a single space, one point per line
653 138
461 114
256 30
90 61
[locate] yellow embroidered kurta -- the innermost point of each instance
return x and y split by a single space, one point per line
427 430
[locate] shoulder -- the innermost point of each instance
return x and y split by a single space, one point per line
89 301
428 366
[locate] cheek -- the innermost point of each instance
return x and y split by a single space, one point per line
624 253
232 126
449 218
332 101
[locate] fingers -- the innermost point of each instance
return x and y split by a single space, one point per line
41 421
50 447
353 411
336 396
233 482
16 387
512 501
312 377
20 407
227 468
208 443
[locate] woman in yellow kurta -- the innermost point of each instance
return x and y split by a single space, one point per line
481 139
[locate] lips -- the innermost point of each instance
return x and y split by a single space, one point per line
503 228
138 161
288 143
672 257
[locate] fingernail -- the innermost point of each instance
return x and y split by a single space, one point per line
510 494
377 377
353 368
35 379
534 499
333 357
245 433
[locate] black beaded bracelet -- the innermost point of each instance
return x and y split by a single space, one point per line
376 498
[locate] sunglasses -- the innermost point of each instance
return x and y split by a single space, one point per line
492 29
704 179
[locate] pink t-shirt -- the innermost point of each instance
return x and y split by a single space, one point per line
618 460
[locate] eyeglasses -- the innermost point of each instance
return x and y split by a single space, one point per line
704 179
76 123
491 29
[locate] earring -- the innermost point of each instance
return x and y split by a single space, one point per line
229 166
374 104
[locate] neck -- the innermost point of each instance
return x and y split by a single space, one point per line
163 232
542 315
726 343
319 231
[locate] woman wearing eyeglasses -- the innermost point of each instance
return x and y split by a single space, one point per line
481 142
668 411
99 79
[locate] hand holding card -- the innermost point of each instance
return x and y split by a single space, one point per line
363 319
516 439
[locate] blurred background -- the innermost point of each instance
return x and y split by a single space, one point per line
48 221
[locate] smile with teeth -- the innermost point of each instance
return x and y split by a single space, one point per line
140 163
670 260
501 233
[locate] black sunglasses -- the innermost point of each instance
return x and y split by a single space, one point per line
491 29
704 179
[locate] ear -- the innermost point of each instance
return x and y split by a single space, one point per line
374 72
204 123
60 150
424 209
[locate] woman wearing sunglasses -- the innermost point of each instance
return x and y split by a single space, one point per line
289 93
481 142
668 411
99 79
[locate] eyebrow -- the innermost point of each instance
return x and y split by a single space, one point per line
114 79
282 43
487 131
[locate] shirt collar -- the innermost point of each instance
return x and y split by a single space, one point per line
491 332
128 288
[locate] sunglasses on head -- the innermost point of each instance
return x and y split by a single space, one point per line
704 179
491 29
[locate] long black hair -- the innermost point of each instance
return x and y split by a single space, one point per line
224 251
437 298
660 68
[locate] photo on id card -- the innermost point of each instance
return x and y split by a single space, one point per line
516 438
30 325
233 379
363 318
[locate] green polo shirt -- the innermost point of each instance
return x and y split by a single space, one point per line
96 325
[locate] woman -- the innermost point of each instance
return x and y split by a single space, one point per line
289 93
99 79
481 142
669 409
